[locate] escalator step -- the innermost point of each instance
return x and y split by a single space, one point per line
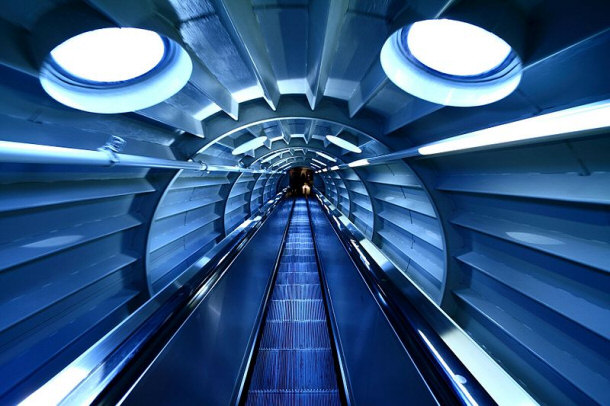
294 370
295 335
294 291
284 278
297 267
289 252
299 258
296 310
294 363
292 398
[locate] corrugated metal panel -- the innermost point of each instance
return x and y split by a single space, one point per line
534 263
65 263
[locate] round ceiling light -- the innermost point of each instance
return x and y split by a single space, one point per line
115 70
110 55
451 62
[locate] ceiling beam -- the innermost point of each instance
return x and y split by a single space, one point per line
173 117
329 112
309 130
285 131
204 81
413 109
374 80
325 22
241 23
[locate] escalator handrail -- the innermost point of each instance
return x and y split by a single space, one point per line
242 391
448 378
114 363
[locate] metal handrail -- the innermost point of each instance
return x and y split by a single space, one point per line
108 369
24 153
241 395
449 379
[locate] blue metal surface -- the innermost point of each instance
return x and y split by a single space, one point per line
203 361
294 363
379 370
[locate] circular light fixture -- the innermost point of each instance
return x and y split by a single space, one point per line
115 70
110 55
456 48
451 62
340 142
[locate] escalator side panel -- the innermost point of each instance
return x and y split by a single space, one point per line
379 370
203 362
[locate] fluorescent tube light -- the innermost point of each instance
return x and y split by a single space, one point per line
360 162
341 143
270 157
323 155
582 118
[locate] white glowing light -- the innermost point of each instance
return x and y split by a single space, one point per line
360 162
323 155
245 224
341 143
249 145
455 47
52 392
451 63
272 156
334 168
110 54
132 69
587 117
318 161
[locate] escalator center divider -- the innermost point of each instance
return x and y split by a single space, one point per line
294 362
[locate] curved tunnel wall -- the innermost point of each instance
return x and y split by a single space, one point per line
529 263
390 206
520 261
527 247
188 222
530 237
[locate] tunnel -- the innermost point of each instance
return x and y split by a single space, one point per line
290 202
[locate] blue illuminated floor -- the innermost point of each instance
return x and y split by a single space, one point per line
294 365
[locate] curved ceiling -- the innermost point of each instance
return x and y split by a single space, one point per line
511 242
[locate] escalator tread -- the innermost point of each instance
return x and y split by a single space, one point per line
294 363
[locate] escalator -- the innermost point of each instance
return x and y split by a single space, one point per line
295 313
294 362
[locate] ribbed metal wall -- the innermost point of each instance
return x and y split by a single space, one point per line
530 275
238 203
188 222
517 252
70 266
389 205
